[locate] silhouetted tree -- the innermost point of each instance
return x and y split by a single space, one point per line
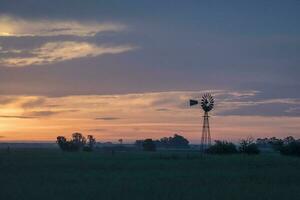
222 147
120 141
290 146
288 140
275 143
248 146
75 144
177 141
91 141
149 145
62 143
78 139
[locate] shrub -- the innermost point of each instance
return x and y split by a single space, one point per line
292 148
149 145
177 141
222 147
248 146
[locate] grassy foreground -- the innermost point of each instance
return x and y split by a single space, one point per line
51 174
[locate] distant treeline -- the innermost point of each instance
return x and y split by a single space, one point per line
76 143
286 146
175 142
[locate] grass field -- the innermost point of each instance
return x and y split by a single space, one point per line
51 174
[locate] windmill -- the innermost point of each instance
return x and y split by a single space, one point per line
207 104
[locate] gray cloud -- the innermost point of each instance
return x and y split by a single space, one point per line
107 118
6 100
17 116
34 103
162 109
47 113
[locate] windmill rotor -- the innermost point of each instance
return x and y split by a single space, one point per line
207 102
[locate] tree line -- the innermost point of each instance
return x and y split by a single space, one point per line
175 142
286 146
76 143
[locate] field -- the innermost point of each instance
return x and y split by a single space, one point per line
51 174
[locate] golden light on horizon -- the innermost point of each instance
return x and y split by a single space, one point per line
130 116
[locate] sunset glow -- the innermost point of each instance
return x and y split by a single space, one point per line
133 116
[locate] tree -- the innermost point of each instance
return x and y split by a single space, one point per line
62 143
91 141
78 140
248 146
149 145
288 140
177 141
120 141
275 143
75 144
222 147
292 148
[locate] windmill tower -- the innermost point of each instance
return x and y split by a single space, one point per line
207 104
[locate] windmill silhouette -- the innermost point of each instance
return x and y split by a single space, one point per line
207 104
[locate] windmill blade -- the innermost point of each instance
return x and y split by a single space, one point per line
193 102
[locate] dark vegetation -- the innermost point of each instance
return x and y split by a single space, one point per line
248 146
175 142
222 147
77 143
292 148
287 146
52 174
149 145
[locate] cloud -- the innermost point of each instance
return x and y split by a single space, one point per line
132 116
7 100
17 116
97 130
47 113
107 118
34 103
162 109
13 26
53 52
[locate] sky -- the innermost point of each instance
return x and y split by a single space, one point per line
117 69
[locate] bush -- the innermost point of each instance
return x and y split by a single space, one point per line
222 147
177 141
149 145
248 146
292 148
